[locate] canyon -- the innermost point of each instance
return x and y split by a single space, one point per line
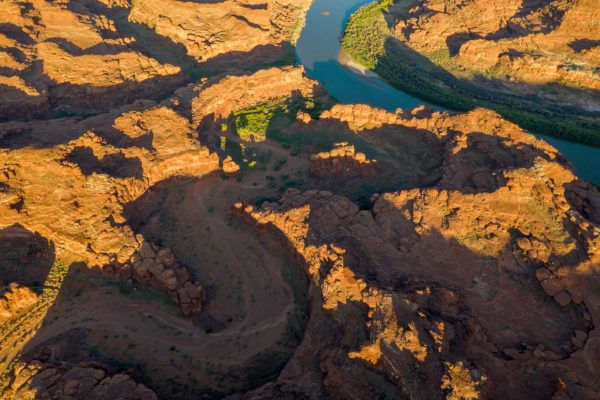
185 213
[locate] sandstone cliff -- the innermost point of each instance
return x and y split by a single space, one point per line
114 52
522 43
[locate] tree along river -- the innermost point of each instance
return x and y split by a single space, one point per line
319 50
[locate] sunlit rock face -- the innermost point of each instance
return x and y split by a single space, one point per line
72 191
528 42
149 250
113 52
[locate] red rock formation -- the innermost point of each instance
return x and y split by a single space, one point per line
447 278
110 53
342 160
15 298
473 277
75 193
531 43
159 267
48 381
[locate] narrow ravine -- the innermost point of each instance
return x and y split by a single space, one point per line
319 51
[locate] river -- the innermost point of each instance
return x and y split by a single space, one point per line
319 50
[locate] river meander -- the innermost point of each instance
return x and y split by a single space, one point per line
319 50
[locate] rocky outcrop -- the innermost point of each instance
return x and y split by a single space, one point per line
208 30
115 52
465 268
37 379
15 298
233 93
60 369
159 267
48 68
342 160
230 166
429 285
75 193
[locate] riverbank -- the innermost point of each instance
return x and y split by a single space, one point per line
355 66
433 77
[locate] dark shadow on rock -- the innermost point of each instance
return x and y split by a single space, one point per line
139 212
66 99
469 292
60 346
25 257
15 32
514 25
157 216
480 165
202 1
148 42
48 133
116 165
82 100
237 63
584 198
98 49
407 157
456 40
580 45
260 6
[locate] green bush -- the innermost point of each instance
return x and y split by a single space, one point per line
252 125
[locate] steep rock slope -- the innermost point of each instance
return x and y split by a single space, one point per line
143 247
534 42
71 189
116 51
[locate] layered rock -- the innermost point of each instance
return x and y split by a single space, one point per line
48 68
75 193
159 267
208 30
471 275
114 52
60 369
15 298
531 43
75 186
342 159
210 102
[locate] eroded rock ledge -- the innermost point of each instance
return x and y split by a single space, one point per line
448 291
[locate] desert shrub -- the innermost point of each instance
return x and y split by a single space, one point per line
252 125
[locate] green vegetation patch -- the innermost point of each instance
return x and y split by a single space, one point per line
251 124
366 33
255 124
